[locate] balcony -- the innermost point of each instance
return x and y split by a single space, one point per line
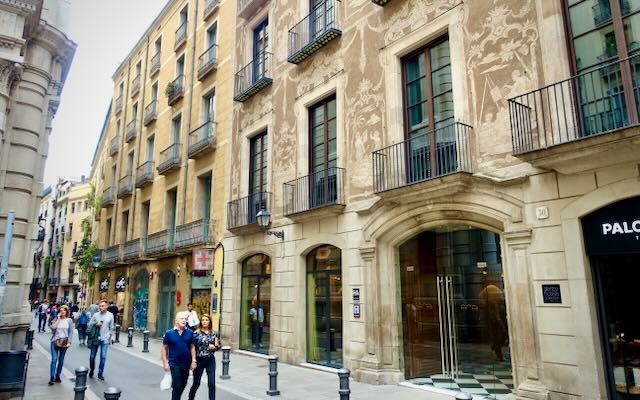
154 64
131 250
181 36
108 196
112 254
175 90
125 186
53 281
131 131
241 213
210 7
582 123
197 233
118 105
602 12
248 8
135 86
144 174
202 140
422 163
159 243
169 159
150 112
314 32
208 61
114 146
322 191
254 77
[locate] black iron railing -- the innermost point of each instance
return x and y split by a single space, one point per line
125 186
319 189
114 146
108 196
591 103
443 151
175 89
202 138
144 173
208 60
314 31
155 64
135 85
181 34
131 250
169 158
131 130
194 233
150 111
253 76
242 212
159 242
118 104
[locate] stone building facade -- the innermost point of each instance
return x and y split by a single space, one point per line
454 187
35 56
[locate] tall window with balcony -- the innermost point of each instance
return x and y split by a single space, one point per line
171 213
181 32
175 88
257 175
144 219
209 58
260 48
155 59
150 147
107 233
124 228
323 157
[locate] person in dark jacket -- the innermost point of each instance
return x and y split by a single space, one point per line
206 343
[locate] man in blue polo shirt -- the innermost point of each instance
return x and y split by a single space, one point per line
178 354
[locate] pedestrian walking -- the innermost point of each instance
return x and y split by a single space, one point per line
93 308
83 321
206 343
113 309
43 310
178 354
62 328
192 319
106 324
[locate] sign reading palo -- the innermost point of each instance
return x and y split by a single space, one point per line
614 229
104 284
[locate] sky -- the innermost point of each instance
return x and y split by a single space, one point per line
105 32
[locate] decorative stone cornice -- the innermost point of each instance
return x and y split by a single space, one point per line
10 75
367 252
11 42
518 238
23 7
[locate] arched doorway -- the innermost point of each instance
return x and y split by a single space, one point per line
255 308
455 332
166 303
324 306
140 300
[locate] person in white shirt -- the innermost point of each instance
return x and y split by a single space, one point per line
192 319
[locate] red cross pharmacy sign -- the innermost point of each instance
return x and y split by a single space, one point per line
202 259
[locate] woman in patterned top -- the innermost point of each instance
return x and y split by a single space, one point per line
206 343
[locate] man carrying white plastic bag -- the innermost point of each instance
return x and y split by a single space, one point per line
165 383
178 356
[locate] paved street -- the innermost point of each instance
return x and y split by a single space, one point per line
135 376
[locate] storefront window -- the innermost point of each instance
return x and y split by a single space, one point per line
255 309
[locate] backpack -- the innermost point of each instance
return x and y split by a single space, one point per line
93 336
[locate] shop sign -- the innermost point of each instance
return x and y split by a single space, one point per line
121 284
614 229
104 284
551 294
201 282
356 295
202 259
356 311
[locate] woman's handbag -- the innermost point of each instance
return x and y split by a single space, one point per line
61 342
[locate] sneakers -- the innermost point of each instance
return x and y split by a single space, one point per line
51 382
57 380
91 374
101 377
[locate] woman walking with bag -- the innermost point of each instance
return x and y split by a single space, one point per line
83 320
62 328
206 343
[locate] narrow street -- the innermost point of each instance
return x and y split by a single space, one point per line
137 378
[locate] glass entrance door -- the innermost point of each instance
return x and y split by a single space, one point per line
454 314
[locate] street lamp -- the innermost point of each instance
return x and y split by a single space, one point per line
264 221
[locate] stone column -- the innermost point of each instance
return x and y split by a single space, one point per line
525 347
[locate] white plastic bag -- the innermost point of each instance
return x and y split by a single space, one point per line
165 383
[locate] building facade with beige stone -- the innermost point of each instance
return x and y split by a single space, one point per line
160 164
453 189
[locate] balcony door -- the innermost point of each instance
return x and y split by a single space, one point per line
260 46
257 176
323 155
321 17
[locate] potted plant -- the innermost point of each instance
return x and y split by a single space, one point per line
170 89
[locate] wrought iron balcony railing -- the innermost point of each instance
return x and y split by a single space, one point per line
131 250
131 131
195 233
208 61
242 212
169 159
181 35
154 64
441 152
314 32
108 196
202 139
591 103
175 90
112 254
159 242
210 7
150 112
319 189
114 146
125 186
135 85
144 174
253 77
118 104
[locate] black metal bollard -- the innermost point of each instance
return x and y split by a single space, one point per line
117 333
344 390
145 341
225 362
81 383
273 376
28 339
130 337
112 393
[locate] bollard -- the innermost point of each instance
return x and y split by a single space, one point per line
112 393
117 333
273 376
225 362
464 396
28 339
344 390
81 383
145 341
130 337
